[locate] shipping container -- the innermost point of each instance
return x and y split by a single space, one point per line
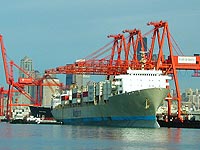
74 100
64 97
85 99
91 93
74 90
78 100
85 94
74 95
97 91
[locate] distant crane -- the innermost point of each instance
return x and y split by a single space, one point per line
118 61
196 72
7 102
2 92
22 82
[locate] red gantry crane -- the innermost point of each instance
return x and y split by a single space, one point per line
2 92
196 72
7 102
174 62
22 83
122 57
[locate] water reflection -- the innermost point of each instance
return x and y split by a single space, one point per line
53 137
174 135
127 137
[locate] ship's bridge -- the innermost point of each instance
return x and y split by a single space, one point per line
141 79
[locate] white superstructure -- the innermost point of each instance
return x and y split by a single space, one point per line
20 112
134 80
141 79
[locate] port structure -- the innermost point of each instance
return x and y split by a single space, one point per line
21 83
196 72
2 92
173 63
7 94
123 55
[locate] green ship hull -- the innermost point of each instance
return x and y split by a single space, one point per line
133 109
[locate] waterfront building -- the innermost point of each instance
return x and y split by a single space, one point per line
49 91
27 65
69 80
81 80
191 98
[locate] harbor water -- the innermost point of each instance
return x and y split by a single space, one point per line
64 137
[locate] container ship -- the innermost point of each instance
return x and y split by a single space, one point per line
128 100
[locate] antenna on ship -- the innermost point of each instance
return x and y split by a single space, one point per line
143 59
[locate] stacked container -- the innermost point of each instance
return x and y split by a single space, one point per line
66 98
91 92
99 91
79 95
106 89
85 94
74 95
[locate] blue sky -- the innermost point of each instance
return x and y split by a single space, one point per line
53 33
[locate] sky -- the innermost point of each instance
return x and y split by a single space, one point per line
54 33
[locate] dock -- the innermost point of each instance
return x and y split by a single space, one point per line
179 124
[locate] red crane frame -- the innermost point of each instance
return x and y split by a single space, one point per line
112 66
22 82
2 101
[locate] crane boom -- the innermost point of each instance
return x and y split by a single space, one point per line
119 63
5 64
